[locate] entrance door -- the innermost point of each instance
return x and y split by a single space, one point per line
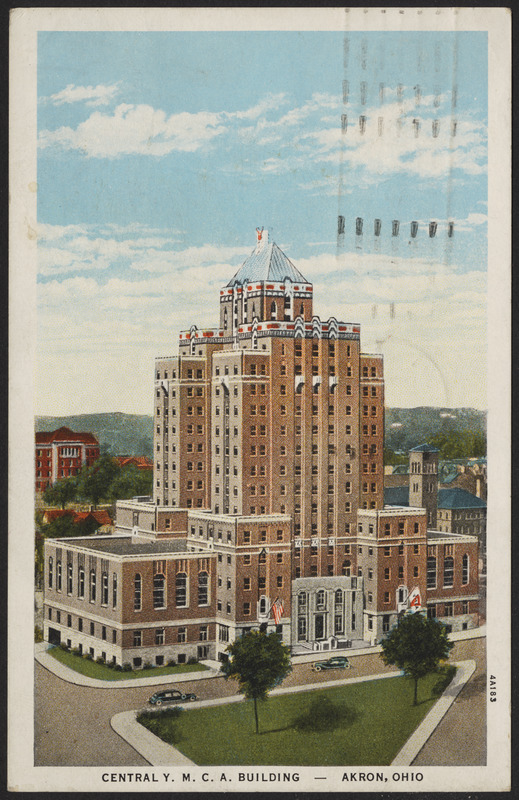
319 626
54 636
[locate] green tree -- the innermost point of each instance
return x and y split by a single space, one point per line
416 645
60 527
61 493
131 481
258 661
94 482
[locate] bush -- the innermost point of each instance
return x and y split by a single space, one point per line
38 634
88 656
192 660
127 667
148 665
64 646
100 660
172 662
118 668
76 651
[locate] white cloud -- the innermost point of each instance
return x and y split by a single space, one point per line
132 130
100 95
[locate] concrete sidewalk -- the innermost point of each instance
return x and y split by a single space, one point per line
71 676
160 754
408 753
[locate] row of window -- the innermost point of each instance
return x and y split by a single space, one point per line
56 581
190 374
56 613
160 636
181 590
448 571
446 609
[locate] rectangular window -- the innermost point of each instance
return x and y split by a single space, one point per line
246 609
181 635
159 636
447 610
92 585
104 589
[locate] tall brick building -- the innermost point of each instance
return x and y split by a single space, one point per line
268 444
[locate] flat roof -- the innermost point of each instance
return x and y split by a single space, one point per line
126 545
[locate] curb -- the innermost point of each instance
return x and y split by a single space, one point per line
408 753
70 676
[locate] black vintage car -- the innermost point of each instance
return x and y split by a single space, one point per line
170 696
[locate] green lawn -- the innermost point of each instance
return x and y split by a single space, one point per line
103 673
360 724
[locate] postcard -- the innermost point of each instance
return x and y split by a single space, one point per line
259 524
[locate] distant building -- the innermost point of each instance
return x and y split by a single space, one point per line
62 454
141 462
100 518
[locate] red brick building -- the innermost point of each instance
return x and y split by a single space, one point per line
62 454
268 446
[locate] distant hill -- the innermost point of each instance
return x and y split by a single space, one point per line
409 427
132 434
117 433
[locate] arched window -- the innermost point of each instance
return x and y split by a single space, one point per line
58 576
346 567
302 310
203 589
114 590
159 591
320 599
263 605
51 571
137 593
301 601
338 597
69 577
273 310
181 590
225 318
431 572
448 571
465 569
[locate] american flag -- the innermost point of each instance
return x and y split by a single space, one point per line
277 610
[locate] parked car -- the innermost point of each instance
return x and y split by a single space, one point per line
170 696
337 662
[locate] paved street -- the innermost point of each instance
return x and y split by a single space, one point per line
72 723
460 738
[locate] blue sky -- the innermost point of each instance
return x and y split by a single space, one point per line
159 154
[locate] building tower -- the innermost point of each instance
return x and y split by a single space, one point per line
275 417
423 481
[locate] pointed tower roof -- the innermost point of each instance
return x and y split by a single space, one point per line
267 263
424 448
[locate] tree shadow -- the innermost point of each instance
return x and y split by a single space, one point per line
473 688
324 715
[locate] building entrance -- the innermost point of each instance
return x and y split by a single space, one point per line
54 636
319 626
